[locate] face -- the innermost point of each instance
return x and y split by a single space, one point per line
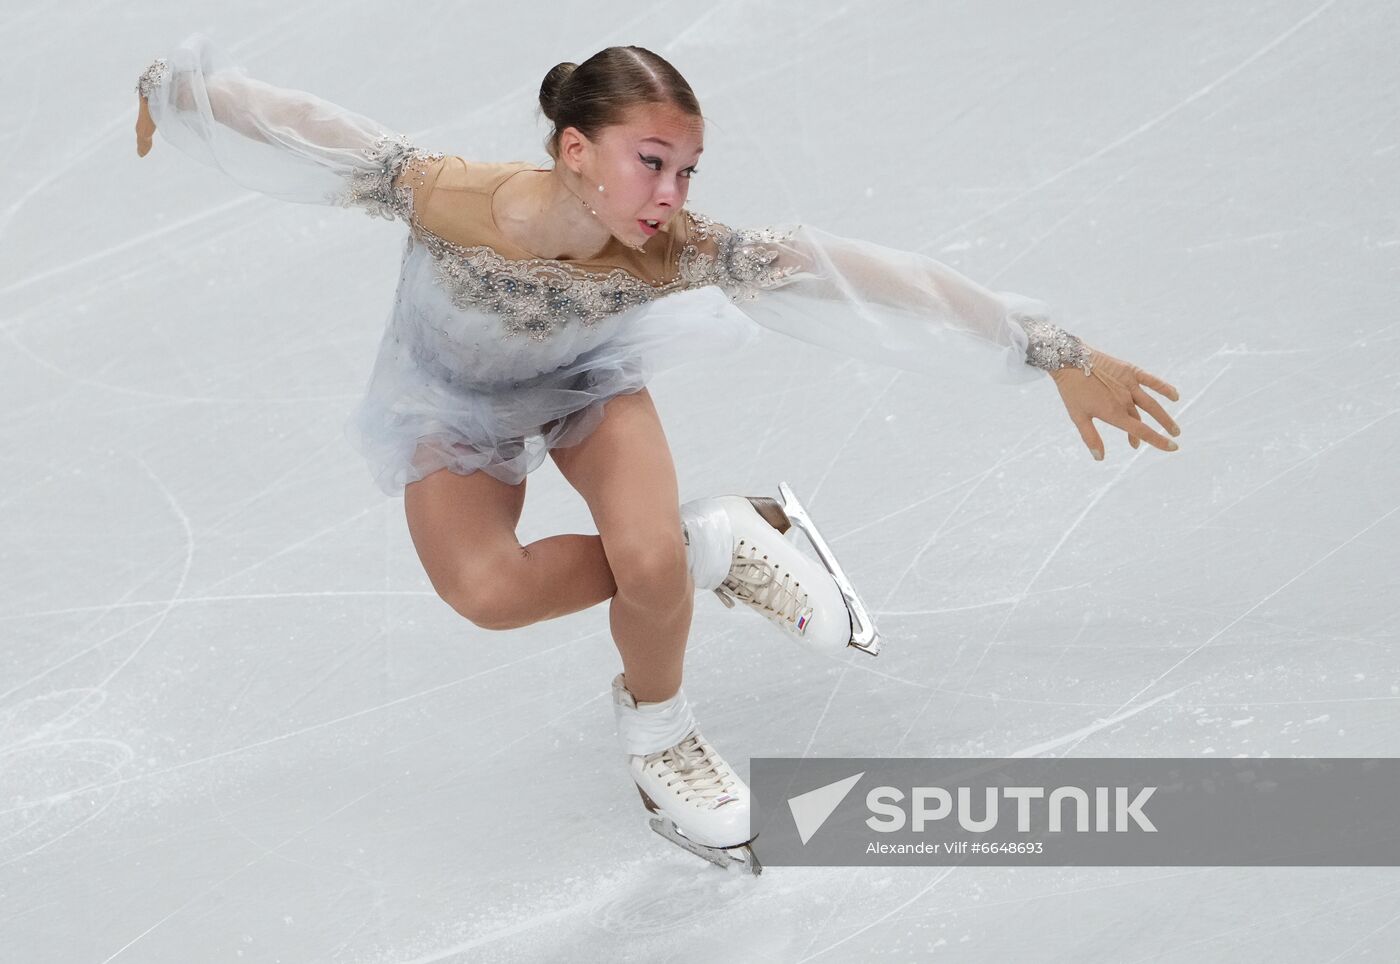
644 164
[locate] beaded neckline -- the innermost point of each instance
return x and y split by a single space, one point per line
537 296
438 246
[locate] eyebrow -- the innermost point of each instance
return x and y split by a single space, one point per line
666 143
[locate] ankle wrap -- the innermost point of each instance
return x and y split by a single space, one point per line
649 727
709 549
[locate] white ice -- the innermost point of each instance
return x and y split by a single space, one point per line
237 724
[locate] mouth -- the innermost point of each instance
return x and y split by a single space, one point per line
648 227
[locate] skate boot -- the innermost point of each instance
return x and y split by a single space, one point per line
701 805
736 547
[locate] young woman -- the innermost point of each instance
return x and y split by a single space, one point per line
533 306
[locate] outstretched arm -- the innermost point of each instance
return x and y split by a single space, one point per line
286 143
912 312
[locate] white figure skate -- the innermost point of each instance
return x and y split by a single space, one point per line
736 547
701 804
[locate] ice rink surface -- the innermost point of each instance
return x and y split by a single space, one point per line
237 724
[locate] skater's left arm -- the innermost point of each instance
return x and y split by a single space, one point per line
907 310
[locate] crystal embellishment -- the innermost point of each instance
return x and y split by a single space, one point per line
371 187
535 297
745 261
1051 347
152 77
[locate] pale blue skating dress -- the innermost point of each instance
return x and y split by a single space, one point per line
491 356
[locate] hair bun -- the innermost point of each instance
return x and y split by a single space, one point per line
550 88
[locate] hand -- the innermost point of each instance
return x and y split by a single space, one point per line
145 127
1112 393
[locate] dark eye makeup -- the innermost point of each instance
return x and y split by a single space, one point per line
650 160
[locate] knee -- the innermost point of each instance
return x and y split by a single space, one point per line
488 599
649 567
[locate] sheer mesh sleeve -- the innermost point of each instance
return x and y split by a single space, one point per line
877 303
285 143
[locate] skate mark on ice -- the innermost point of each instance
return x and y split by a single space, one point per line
988 604
1124 468
1361 940
1144 127
1269 924
887 914
1082 733
158 618
1311 457
1270 595
655 906
998 698
1316 359
855 429
45 772
821 716
178 599
1016 454
978 480
474 767
247 866
312 727
105 608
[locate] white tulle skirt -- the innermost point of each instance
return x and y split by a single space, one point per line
434 403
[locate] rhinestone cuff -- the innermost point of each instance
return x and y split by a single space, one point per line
1052 348
152 77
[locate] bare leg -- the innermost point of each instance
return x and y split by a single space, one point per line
624 472
463 527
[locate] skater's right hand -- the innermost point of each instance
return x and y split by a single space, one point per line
145 127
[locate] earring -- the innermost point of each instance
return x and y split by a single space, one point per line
600 187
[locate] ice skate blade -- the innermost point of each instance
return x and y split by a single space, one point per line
725 857
864 636
719 856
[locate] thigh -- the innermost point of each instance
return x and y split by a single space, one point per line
463 526
625 473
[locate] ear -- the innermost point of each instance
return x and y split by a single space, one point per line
574 149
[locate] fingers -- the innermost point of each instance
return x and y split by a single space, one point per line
1136 427
1155 409
1131 411
1090 435
1158 386
145 127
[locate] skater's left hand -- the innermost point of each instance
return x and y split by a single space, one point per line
1112 393
145 127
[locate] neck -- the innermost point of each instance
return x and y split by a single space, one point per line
559 223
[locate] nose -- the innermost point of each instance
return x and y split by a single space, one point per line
667 196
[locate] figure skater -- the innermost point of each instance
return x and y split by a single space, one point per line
534 304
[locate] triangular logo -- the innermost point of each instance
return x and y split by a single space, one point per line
810 809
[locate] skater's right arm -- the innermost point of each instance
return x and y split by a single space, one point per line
287 143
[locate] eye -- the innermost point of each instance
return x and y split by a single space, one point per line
689 172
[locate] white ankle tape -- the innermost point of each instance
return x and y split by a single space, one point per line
651 726
709 543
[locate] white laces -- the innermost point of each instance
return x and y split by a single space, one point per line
697 768
756 582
